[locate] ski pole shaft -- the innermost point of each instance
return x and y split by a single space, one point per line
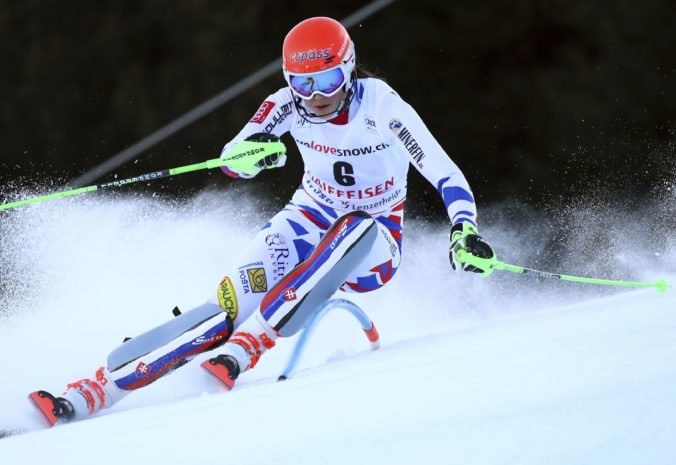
661 285
82 190
241 157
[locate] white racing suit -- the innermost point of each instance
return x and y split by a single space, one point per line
357 163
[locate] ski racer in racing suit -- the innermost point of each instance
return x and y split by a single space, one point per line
341 230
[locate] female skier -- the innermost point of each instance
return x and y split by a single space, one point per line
342 228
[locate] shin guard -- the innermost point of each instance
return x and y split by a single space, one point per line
291 302
286 307
145 358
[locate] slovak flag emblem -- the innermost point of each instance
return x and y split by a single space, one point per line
142 369
289 294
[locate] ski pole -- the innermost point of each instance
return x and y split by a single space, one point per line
242 158
464 257
661 284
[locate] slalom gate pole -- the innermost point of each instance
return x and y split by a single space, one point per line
240 158
661 284
366 324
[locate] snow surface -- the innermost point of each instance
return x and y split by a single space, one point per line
505 370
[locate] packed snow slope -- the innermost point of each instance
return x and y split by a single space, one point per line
509 369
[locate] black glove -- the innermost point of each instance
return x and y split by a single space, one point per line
274 160
469 251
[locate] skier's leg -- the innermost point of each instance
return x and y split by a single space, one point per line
161 335
282 243
204 328
286 240
288 305
140 361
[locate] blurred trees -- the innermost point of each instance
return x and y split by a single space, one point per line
533 99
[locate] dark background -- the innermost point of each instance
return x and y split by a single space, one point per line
539 101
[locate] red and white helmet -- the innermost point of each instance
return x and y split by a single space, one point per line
318 57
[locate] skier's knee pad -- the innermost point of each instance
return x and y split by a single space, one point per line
289 304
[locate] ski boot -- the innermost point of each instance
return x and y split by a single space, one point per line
53 409
242 351
224 368
82 399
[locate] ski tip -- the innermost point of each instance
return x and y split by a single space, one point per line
43 401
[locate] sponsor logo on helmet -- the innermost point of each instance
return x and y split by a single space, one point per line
395 125
301 57
227 298
341 50
263 112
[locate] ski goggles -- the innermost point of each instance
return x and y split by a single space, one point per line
326 83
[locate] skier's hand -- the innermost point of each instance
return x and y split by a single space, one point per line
274 160
469 251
